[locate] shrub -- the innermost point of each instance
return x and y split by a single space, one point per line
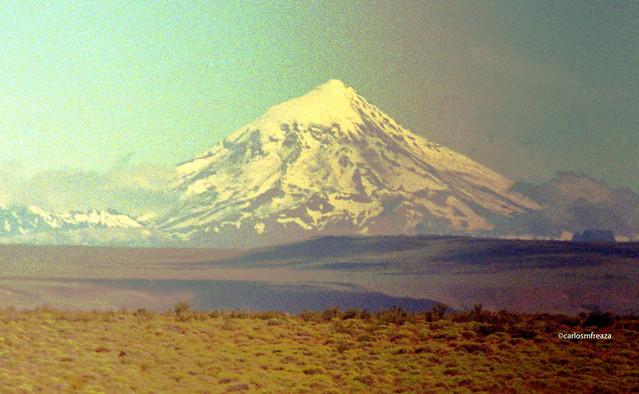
437 312
598 319
268 315
570 321
330 314
182 311
274 322
143 314
477 313
506 317
395 315
238 387
488 329
309 316
475 348
343 346
365 338
313 371
239 315
355 313
518 332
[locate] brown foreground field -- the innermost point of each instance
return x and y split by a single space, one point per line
48 351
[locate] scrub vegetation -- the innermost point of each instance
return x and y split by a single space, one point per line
182 350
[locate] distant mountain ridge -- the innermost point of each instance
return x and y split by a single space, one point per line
34 224
573 202
22 220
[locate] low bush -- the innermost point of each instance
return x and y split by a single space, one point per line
182 311
309 316
438 312
330 314
355 313
395 315
488 329
524 333
598 319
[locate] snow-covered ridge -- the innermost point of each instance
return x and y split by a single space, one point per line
329 161
106 218
20 220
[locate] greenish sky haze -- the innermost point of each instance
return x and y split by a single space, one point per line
525 87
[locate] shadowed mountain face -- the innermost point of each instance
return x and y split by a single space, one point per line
331 163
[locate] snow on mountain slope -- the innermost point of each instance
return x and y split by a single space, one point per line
20 220
330 162
107 218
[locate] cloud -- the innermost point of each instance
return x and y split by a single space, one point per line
9 181
141 190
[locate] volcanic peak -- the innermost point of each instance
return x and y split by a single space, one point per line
330 102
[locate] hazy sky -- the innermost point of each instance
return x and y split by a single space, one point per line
526 87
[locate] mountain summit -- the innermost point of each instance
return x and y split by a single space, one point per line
329 162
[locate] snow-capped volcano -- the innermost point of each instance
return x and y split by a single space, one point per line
329 162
